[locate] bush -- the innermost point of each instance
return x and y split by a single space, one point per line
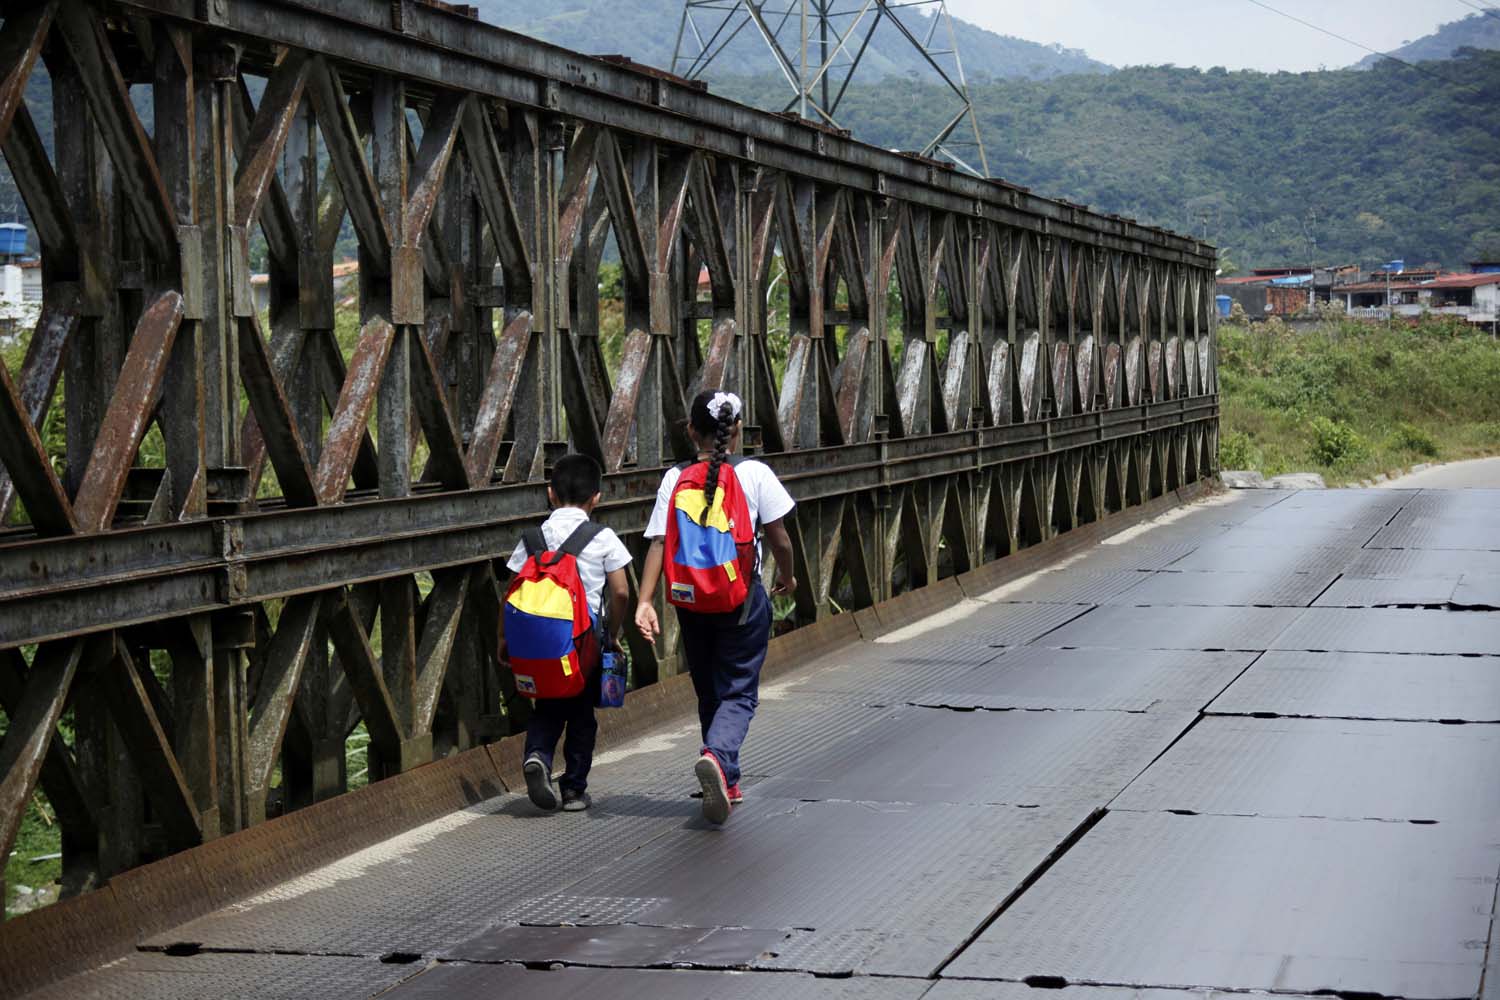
1236 451
1407 437
1335 442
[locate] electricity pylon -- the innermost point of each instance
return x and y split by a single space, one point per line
817 45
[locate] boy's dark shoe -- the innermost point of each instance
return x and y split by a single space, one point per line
539 783
715 789
575 801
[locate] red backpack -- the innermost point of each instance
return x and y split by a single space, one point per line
549 629
711 556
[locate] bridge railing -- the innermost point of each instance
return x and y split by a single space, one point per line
245 533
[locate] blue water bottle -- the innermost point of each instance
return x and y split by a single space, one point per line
612 681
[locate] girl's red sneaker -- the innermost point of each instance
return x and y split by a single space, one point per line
710 777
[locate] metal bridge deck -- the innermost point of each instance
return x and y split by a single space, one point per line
1224 768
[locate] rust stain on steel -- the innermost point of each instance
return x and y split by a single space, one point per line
956 380
274 427
268 134
573 195
851 377
720 353
909 382
351 417
1173 369
125 421
1026 373
1083 366
41 369
20 43
998 382
498 399
634 362
1153 368
1132 351
1060 357
438 141
31 731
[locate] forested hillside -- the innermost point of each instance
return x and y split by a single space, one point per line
1338 166
1477 31
1334 166
646 31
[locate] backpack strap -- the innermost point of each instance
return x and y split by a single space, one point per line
533 541
573 545
580 538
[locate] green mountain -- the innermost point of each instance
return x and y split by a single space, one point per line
646 31
1341 167
1477 31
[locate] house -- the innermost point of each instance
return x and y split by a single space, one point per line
1270 291
1472 295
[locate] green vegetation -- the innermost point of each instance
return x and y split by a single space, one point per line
1351 400
1348 166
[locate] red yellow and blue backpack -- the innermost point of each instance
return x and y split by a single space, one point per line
549 629
711 555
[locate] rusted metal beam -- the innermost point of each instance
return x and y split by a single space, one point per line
129 413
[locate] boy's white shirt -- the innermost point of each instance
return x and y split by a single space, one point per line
605 554
767 499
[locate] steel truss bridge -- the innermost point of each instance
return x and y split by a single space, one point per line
253 536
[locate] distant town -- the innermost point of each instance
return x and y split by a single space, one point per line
1390 291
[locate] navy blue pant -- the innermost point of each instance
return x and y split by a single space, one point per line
551 717
724 656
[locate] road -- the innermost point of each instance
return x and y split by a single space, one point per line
1216 750
1478 473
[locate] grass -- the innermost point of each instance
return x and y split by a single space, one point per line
1350 400
39 836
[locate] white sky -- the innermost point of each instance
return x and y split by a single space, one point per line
1236 34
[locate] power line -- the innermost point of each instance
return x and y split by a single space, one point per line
1483 9
1360 45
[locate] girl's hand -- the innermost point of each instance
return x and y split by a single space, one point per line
647 622
785 584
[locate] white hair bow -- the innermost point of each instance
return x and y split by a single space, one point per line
722 399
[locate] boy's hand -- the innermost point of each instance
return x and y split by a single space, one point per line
647 622
785 584
502 653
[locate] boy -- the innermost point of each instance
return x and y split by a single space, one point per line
573 493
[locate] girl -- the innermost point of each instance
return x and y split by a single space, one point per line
711 512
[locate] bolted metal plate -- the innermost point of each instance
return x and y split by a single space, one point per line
982 758
624 945
155 976
1253 903
1108 556
1394 630
1038 677
1176 628
1398 563
973 989
1069 586
1271 590
1330 768
1243 554
1369 592
1004 625
489 982
1366 686
1478 531
1476 591
916 881
439 884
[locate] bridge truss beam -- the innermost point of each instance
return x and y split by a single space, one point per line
274 523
